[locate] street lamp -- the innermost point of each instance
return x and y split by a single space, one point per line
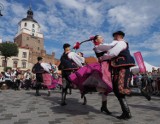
1 8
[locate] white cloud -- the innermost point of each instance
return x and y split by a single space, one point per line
76 20
134 17
149 48
72 4
18 9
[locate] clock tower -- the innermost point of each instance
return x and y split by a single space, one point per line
29 34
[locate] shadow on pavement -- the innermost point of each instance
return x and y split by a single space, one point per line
74 106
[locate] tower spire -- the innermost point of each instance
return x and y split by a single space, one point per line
30 13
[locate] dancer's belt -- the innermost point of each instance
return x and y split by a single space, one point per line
70 69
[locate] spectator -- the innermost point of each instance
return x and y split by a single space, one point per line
27 79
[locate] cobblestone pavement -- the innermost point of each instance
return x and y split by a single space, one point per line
22 107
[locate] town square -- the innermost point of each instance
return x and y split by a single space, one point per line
79 62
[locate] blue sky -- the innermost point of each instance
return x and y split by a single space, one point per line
70 21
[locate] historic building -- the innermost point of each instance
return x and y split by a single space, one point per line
19 61
30 41
29 36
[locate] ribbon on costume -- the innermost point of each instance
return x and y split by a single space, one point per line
77 45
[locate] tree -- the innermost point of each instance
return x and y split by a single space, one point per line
8 49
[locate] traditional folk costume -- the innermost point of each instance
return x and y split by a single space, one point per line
70 61
56 77
38 70
16 75
28 79
50 76
8 79
94 77
121 61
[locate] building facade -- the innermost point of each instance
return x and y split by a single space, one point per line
29 36
19 61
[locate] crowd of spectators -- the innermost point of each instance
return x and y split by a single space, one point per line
17 79
149 81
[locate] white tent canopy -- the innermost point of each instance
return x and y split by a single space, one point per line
148 66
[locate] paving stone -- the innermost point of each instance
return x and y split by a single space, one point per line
22 107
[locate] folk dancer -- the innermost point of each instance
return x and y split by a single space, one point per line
94 77
121 61
70 61
38 70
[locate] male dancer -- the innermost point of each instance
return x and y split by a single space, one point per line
69 62
121 61
38 69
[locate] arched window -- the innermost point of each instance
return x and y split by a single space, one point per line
23 64
25 24
3 63
32 25
15 64
24 55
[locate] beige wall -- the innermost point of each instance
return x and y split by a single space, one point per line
20 58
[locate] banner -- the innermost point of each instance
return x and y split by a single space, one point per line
140 62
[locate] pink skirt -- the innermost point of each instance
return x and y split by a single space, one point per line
47 79
95 75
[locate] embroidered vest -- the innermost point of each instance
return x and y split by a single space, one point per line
124 59
67 63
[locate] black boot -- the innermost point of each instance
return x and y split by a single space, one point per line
38 85
49 93
145 94
104 108
37 92
126 112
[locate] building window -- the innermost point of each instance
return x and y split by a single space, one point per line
38 41
26 45
3 63
24 55
27 38
32 25
38 48
25 24
23 64
32 34
15 64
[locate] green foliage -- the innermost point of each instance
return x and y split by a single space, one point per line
6 68
8 49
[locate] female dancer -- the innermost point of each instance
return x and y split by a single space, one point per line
94 77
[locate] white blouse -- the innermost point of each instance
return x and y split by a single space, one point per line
76 58
112 49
